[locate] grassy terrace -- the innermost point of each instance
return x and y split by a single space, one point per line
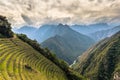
19 61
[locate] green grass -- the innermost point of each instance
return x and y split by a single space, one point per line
19 61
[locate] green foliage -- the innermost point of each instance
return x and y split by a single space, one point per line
5 27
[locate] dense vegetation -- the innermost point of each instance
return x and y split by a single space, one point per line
5 28
102 61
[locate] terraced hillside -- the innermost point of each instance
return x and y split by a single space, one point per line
102 61
19 61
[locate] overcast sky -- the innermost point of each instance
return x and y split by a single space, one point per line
37 12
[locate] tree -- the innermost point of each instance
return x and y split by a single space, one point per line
5 27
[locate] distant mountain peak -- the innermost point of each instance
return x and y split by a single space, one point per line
63 25
60 24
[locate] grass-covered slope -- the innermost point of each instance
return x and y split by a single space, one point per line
19 61
102 61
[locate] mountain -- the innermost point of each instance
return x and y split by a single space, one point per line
58 45
99 35
87 29
48 31
66 43
96 31
28 30
45 32
102 61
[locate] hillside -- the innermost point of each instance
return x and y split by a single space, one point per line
102 61
66 43
21 62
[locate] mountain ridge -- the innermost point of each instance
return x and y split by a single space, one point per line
87 29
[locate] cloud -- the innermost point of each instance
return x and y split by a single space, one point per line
37 12
26 19
63 20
